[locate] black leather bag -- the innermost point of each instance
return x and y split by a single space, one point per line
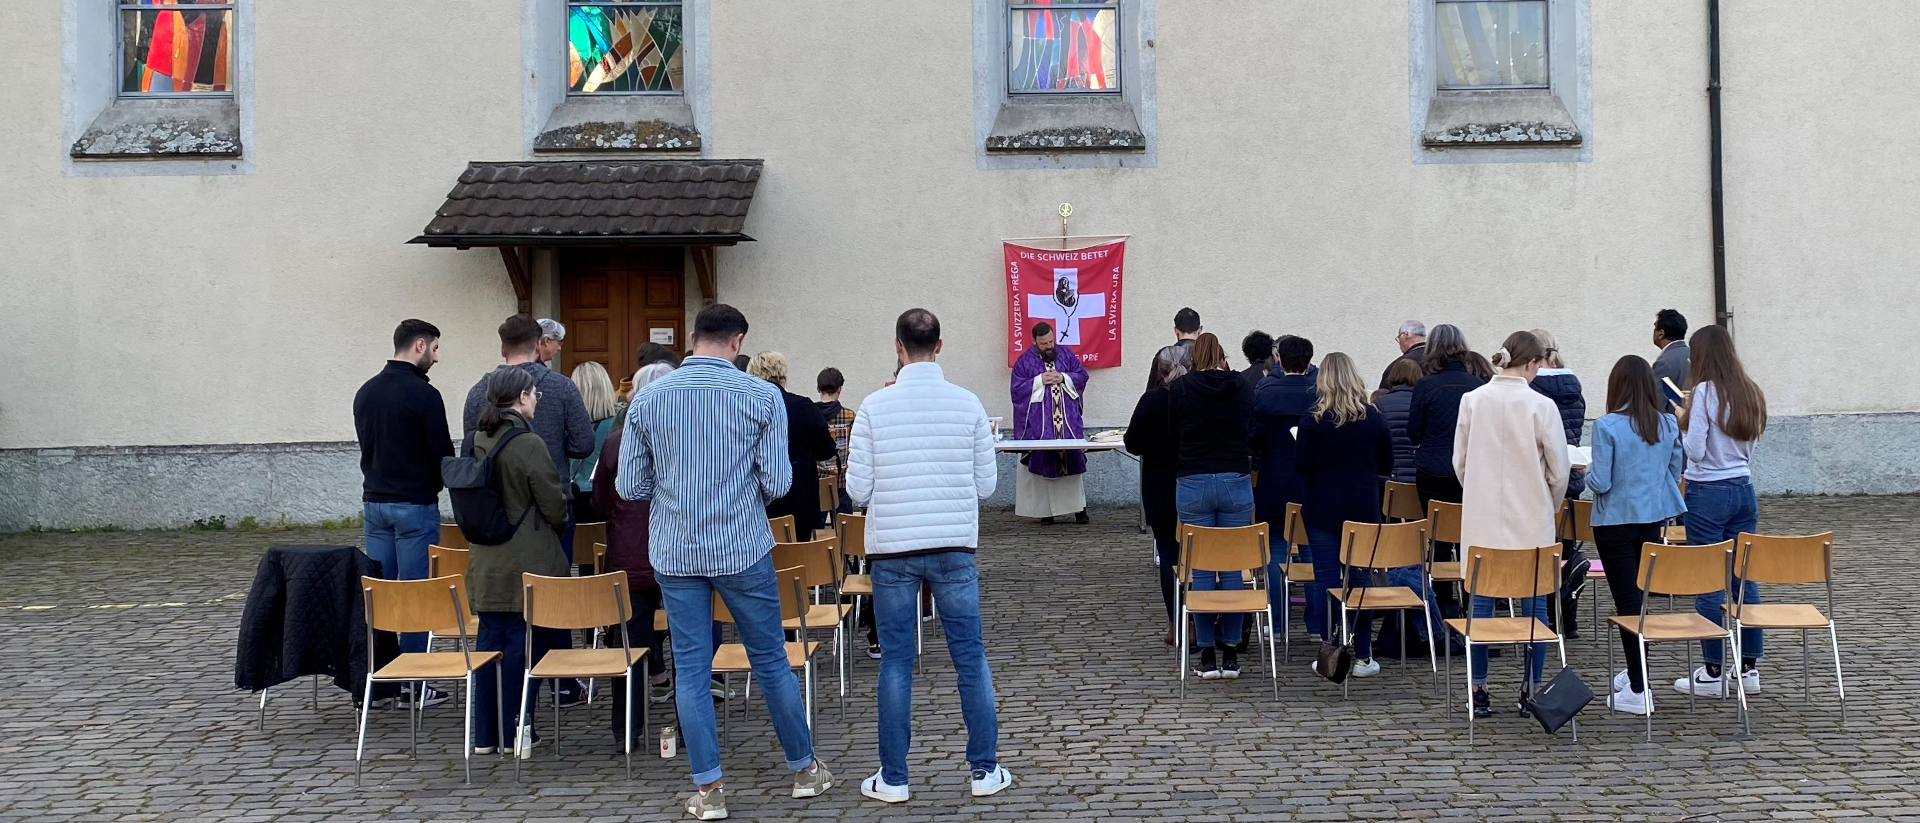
1335 662
1563 697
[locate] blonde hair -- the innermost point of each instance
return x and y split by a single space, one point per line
1342 392
1553 349
596 389
770 366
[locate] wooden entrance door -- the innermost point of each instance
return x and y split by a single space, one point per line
613 300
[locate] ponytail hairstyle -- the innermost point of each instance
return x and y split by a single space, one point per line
1743 406
1519 349
1168 365
504 387
1554 360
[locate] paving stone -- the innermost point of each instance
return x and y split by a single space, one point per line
118 706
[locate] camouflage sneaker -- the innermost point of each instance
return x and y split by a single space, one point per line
708 805
812 781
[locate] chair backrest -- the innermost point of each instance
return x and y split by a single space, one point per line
587 534
1684 570
575 602
1295 526
1231 548
1575 520
443 561
829 493
1383 545
1765 558
416 605
817 560
599 556
1444 519
793 604
1511 572
782 527
853 534
1401 501
451 537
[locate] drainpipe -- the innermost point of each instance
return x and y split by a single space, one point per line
1723 316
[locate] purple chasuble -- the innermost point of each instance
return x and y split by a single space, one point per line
1036 419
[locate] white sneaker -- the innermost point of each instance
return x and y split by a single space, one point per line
986 783
1365 668
880 790
1621 682
1701 684
1750 680
524 742
1629 701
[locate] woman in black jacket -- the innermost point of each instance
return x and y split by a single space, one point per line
1344 449
1432 415
1394 402
808 442
1211 414
1559 384
1150 438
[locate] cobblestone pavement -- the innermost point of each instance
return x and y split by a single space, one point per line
118 705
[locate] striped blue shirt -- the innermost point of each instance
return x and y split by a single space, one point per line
708 445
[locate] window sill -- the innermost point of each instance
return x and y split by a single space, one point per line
620 123
162 129
1052 124
1498 119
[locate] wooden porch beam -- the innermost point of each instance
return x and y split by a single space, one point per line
519 260
704 272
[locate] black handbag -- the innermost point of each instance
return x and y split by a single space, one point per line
1564 696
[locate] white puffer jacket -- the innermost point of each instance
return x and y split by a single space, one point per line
920 458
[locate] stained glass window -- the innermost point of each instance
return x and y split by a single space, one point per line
1063 46
1492 43
176 47
625 47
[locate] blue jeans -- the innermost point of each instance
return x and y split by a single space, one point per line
1720 510
1415 578
1216 500
397 535
955 582
1535 607
506 633
1324 546
754 599
1316 618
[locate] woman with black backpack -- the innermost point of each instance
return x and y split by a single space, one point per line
530 492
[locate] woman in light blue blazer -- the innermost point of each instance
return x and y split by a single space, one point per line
1635 479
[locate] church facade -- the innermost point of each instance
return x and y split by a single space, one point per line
216 215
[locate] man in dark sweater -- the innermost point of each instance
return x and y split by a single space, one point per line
562 425
401 424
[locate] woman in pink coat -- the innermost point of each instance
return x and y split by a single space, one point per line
1510 453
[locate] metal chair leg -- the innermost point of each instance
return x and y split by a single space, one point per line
1839 683
360 748
466 724
263 707
1646 683
626 740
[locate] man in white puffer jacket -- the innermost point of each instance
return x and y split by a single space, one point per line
919 458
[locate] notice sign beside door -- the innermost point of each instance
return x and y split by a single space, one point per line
662 336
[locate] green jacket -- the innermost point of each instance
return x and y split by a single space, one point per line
530 488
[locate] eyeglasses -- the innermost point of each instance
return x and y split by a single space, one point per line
536 394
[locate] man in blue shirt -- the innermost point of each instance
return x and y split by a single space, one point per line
707 444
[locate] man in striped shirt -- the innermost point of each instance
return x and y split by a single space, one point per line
707 444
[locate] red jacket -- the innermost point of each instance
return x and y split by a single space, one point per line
626 519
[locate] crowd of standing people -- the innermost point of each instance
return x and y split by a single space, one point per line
687 459
1490 433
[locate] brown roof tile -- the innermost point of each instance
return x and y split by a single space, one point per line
496 203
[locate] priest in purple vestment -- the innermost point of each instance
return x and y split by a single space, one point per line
1048 382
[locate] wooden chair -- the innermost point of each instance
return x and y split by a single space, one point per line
1292 573
1575 521
782 527
1401 501
586 536
443 561
1788 561
1511 574
1682 571
581 603
1371 547
435 605
1234 548
1443 519
731 658
852 531
451 537
829 493
823 567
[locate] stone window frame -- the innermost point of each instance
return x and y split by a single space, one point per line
1057 130
559 125
1552 125
108 134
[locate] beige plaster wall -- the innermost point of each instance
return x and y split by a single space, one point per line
164 310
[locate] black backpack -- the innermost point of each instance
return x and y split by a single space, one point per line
478 505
